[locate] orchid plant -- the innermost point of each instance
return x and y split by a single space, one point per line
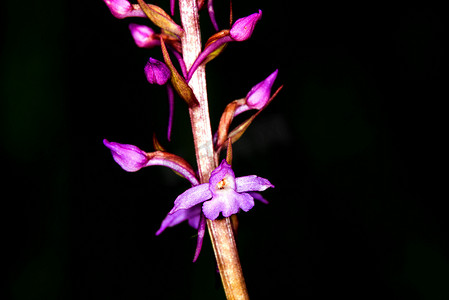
216 195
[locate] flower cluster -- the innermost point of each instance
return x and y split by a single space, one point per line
224 195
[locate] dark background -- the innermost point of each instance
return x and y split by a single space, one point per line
353 144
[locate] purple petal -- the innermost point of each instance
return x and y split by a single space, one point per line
192 197
252 183
201 231
222 172
227 202
259 197
192 215
129 157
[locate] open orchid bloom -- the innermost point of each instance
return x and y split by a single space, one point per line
223 194
123 9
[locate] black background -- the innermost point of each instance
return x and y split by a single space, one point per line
353 144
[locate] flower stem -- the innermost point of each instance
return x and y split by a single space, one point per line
220 230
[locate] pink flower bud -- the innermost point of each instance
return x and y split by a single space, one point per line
129 157
122 9
243 28
143 36
156 72
119 8
260 93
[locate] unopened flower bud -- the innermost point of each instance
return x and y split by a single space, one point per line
119 8
243 28
123 9
260 93
129 157
143 36
156 72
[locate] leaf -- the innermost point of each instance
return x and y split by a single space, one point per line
226 120
179 83
160 18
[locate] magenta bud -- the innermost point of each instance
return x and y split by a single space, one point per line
129 157
123 9
243 28
260 93
143 36
119 8
156 72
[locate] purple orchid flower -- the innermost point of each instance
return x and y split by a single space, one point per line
223 194
123 9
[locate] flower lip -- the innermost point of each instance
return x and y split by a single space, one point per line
244 27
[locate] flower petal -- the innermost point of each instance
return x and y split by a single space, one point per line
228 203
252 183
192 197
192 215
201 232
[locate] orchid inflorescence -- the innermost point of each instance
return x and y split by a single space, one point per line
225 193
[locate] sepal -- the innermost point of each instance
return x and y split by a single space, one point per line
160 18
179 83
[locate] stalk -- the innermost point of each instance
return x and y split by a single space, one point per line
220 230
